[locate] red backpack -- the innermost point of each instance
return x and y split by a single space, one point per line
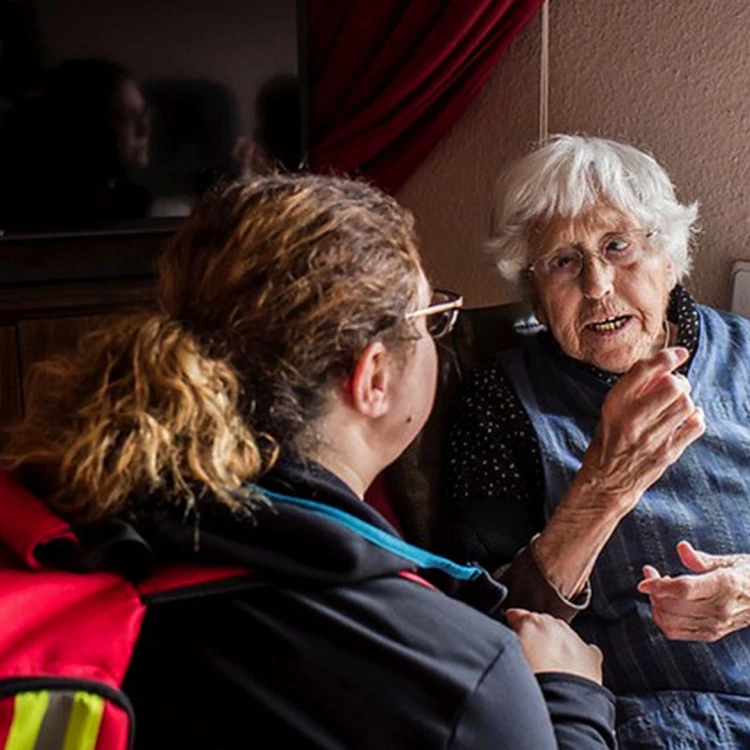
66 639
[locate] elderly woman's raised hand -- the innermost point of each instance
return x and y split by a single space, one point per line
648 420
705 605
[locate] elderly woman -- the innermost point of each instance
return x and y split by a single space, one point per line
578 467
291 361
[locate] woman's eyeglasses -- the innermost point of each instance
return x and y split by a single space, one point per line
441 314
565 264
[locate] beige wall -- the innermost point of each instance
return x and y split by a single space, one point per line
670 77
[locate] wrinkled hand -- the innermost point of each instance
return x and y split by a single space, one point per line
705 606
551 645
648 420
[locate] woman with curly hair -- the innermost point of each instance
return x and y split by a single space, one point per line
291 361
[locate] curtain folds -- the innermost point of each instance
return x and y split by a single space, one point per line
389 78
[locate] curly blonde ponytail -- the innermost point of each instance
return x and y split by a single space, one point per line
139 412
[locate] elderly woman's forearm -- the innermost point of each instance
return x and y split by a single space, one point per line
570 544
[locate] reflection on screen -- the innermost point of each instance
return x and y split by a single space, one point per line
125 110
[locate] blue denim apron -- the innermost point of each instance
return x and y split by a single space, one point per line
672 695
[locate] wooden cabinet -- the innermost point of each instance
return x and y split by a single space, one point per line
41 316
41 339
10 376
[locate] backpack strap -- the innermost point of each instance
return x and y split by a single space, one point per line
173 583
181 582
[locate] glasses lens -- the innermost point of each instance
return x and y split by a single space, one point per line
624 250
565 264
441 323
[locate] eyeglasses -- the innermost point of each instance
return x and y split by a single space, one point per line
441 314
566 263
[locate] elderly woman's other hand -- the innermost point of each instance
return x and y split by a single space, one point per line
705 605
551 645
648 420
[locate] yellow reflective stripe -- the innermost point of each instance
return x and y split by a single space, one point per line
28 714
85 720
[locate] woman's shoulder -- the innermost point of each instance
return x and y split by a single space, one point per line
382 654
723 329
730 319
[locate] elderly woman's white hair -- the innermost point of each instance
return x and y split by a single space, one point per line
570 173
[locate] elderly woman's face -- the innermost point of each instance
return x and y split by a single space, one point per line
610 314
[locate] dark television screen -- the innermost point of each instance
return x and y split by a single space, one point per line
115 115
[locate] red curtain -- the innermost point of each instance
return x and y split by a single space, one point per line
389 77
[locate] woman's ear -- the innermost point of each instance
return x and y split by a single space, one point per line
370 382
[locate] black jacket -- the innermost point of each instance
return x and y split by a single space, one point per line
333 649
